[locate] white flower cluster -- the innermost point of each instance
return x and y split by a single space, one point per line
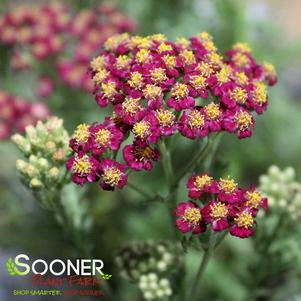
154 288
282 190
148 264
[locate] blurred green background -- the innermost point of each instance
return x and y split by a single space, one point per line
273 30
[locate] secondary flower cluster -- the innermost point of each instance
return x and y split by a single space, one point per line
283 190
159 88
36 32
223 205
149 264
16 113
36 28
46 150
89 29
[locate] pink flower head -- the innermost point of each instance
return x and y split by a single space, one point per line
199 184
189 218
241 122
83 168
165 120
140 157
112 174
243 224
192 124
105 136
45 87
254 201
214 116
217 214
228 191
81 140
180 98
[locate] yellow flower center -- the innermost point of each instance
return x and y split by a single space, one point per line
123 61
164 47
141 42
165 117
239 95
260 93
195 119
142 129
253 199
227 185
244 220
198 81
210 46
100 76
205 69
169 60
214 58
269 69
223 75
158 37
109 89
179 91
241 60
103 137
82 166
212 111
219 210
112 176
152 91
204 36
201 181
182 42
242 47
143 153
241 78
243 120
98 63
143 55
192 215
82 133
158 75
113 42
131 106
136 80
187 57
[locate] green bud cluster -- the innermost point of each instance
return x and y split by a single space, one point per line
45 148
282 190
148 264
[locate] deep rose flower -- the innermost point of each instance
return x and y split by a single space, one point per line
83 168
112 174
189 218
243 224
192 124
217 214
138 157
254 201
199 184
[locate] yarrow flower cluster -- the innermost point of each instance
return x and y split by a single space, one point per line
159 88
49 31
220 204
88 31
16 113
283 190
46 150
148 264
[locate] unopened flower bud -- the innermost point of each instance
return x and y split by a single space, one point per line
22 143
43 163
54 173
21 166
35 183
31 171
59 155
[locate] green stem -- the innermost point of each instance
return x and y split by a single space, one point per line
200 155
140 190
198 279
167 164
